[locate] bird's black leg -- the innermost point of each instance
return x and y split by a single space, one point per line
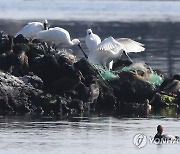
128 56
54 47
79 45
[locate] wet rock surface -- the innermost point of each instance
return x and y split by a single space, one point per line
37 79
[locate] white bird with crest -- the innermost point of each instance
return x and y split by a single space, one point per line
110 49
32 28
92 40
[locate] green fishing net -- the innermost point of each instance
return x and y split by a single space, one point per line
145 72
140 68
104 73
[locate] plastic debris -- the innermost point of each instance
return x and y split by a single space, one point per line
155 79
145 72
104 73
140 68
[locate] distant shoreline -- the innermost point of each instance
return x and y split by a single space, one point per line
11 26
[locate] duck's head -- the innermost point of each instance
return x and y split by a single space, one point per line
89 31
159 129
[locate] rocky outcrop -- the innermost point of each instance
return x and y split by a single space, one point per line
37 79
16 96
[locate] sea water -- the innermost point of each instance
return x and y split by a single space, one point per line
84 135
98 10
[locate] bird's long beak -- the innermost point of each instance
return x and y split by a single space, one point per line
128 56
79 45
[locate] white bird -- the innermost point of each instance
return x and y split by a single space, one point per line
110 49
32 28
92 40
58 36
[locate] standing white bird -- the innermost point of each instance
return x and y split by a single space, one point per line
31 29
110 49
58 36
92 40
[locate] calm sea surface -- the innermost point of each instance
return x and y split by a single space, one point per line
99 10
77 135
154 23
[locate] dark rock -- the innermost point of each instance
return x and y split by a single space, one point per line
171 85
6 42
106 99
34 80
107 102
37 50
76 106
21 39
16 95
4 105
55 82
56 76
20 98
19 48
20 60
157 103
121 63
49 104
142 109
7 61
85 68
178 98
129 88
64 84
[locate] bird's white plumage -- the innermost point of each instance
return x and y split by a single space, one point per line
31 29
129 45
92 40
110 49
124 44
57 35
104 53
108 44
